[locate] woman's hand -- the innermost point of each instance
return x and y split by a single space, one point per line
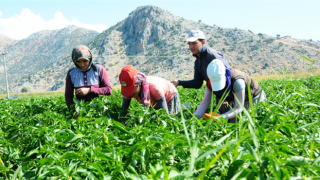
82 91
175 83
223 106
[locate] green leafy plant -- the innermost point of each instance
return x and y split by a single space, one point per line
275 139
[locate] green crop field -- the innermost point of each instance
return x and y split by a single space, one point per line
276 139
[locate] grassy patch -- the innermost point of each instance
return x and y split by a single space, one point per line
34 94
300 74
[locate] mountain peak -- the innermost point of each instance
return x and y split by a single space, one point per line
72 26
151 12
148 8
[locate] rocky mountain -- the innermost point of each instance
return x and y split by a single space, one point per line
40 51
152 40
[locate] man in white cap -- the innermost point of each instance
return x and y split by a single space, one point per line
223 78
204 55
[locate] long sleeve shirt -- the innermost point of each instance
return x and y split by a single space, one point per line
161 103
161 92
200 67
98 82
239 92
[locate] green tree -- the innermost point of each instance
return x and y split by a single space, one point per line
24 89
278 36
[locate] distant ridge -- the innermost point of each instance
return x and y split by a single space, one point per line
40 51
5 41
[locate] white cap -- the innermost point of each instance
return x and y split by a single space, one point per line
195 35
216 72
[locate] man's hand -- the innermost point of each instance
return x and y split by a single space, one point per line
82 91
175 83
224 106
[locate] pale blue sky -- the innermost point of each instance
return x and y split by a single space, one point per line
297 18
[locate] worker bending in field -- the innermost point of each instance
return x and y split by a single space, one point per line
87 79
221 79
148 90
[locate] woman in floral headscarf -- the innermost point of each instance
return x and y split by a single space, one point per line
148 90
88 79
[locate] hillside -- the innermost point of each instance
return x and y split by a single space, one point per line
40 51
5 42
151 39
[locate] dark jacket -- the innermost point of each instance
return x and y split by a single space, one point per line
200 67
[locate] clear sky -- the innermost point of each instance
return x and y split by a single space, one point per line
297 18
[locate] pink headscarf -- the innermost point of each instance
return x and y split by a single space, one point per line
145 93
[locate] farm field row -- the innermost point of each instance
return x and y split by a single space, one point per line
276 139
300 74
